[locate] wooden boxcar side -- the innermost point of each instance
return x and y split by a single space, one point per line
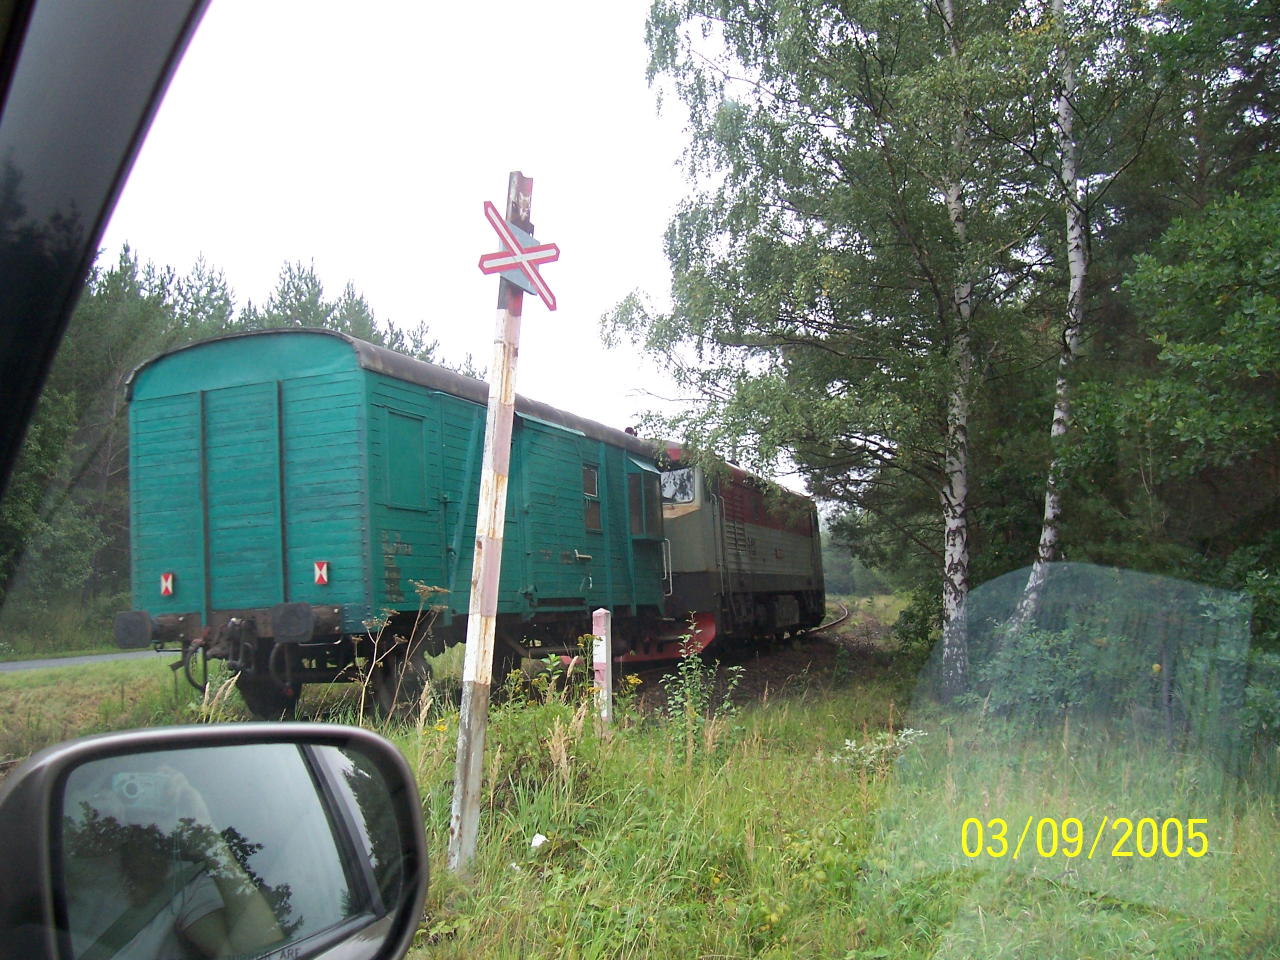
247 466
302 482
425 452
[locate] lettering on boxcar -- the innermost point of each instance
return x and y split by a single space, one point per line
393 547
391 577
396 547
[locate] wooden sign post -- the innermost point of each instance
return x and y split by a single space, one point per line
518 263
602 655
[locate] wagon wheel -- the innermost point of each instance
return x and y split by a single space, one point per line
399 680
265 698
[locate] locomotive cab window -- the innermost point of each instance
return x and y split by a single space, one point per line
591 496
678 486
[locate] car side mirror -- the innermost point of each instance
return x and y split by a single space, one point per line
242 840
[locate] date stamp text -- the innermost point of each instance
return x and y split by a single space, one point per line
1070 837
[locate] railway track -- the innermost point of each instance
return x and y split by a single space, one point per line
744 655
836 622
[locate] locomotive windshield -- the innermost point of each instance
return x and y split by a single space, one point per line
677 486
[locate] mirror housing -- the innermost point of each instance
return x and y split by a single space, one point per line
259 781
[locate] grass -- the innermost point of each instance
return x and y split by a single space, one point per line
65 628
11 656
765 834
765 847
651 850
1119 902
877 609
42 707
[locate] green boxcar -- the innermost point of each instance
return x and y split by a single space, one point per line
290 486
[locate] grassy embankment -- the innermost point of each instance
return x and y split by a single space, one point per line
742 836
64 629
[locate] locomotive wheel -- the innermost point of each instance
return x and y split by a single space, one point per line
398 683
265 699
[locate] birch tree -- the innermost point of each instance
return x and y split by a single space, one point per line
1103 43
836 301
1077 257
955 489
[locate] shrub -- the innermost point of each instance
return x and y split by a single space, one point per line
876 755
700 708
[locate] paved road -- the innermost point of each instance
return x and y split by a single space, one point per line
11 665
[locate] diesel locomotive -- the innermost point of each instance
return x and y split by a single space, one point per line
299 499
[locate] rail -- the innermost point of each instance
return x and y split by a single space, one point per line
837 621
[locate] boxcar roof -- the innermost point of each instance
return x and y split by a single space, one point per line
381 360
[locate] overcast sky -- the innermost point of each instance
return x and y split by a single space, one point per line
366 138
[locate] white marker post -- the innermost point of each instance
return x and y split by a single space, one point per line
518 263
602 654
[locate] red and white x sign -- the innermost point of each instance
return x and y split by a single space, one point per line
518 260
166 584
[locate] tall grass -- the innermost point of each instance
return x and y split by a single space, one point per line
39 708
59 628
647 853
781 840
778 838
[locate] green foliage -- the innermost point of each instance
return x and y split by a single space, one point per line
875 756
299 301
845 572
815 269
1210 297
700 712
919 625
1161 659
40 625
1038 674
58 539
1176 441
1261 714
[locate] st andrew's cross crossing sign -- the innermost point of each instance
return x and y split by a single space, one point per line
518 260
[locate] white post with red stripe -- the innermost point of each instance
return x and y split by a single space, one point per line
602 654
518 263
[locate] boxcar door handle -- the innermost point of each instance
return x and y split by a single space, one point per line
667 574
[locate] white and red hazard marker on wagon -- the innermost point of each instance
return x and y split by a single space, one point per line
322 572
519 257
166 584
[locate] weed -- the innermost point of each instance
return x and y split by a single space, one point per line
626 697
842 667
213 709
700 711
876 755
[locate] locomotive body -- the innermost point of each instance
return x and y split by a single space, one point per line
746 550
299 495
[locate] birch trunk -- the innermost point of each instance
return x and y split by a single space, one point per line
955 500
1077 268
955 490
